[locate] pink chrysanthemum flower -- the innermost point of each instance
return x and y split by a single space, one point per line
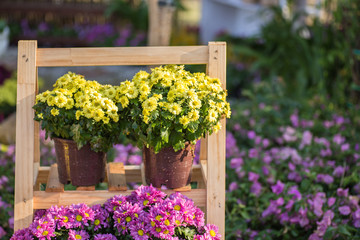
43 228
147 195
211 232
138 229
83 214
76 235
23 234
63 216
162 221
104 237
101 217
185 207
113 203
199 237
39 214
125 215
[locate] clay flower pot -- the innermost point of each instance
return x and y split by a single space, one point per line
169 168
83 167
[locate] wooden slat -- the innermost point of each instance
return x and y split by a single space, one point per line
43 174
44 200
186 188
53 184
26 88
203 148
216 147
133 173
203 164
85 188
143 179
116 177
53 57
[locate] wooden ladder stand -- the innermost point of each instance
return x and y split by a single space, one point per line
209 174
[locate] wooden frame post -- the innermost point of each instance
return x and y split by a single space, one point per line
25 146
216 153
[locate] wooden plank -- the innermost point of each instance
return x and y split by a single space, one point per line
44 200
86 188
203 164
43 174
53 184
186 188
24 175
53 57
215 204
203 148
116 177
36 171
133 173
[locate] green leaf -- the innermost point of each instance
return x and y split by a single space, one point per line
343 230
165 134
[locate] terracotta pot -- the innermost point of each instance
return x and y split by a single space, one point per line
82 167
169 168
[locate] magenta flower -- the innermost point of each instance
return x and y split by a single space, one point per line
331 201
83 214
104 237
113 203
251 134
345 147
23 234
344 210
294 191
253 177
278 188
256 188
125 215
100 217
81 234
342 192
236 162
147 195
211 232
339 171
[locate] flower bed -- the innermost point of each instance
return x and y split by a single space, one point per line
145 214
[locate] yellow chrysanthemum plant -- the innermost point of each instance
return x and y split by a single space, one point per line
80 110
171 106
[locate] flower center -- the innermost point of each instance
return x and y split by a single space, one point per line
177 222
97 222
158 229
152 223
141 232
77 236
86 214
166 231
119 220
158 217
177 207
212 233
167 222
145 202
128 219
78 218
66 219
45 233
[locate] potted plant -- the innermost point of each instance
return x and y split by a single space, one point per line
169 110
82 118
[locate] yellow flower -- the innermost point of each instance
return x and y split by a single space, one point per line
97 115
217 127
106 120
132 93
124 101
78 114
110 92
150 104
184 120
212 115
51 100
69 103
40 115
54 112
193 115
87 112
174 108
144 89
124 87
195 103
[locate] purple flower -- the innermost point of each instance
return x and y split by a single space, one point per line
278 188
23 234
345 147
256 188
306 139
100 217
211 232
342 192
265 142
253 153
2 232
339 171
265 170
253 177
251 134
236 162
295 191
233 186
81 234
344 210
104 237
331 201
338 139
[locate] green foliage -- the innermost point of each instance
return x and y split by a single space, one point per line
134 12
8 95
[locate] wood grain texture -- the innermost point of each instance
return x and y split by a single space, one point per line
203 148
204 170
43 200
86 188
25 144
113 56
116 177
53 184
215 213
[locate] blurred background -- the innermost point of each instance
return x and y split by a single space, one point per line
293 79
